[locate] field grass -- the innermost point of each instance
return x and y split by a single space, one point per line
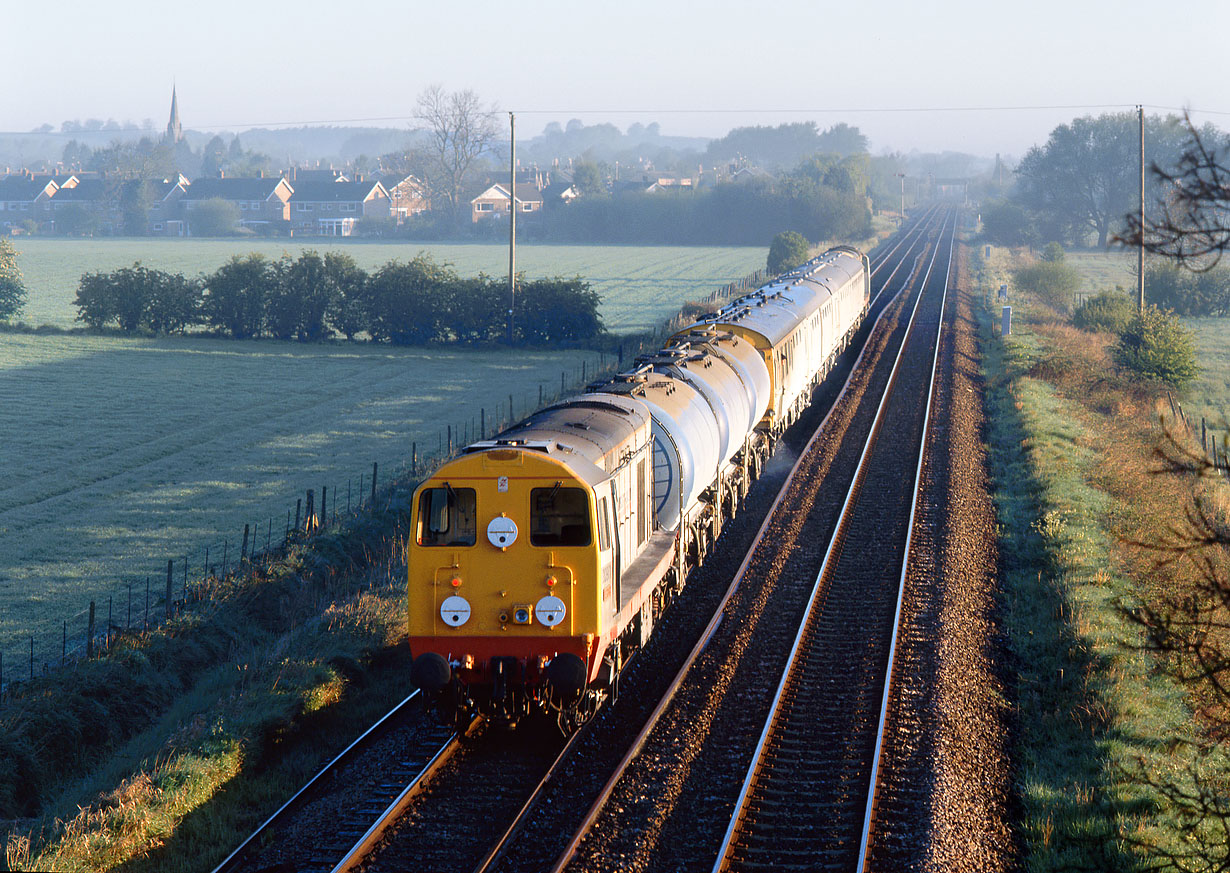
120 453
1209 395
641 286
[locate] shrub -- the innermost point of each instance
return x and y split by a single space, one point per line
1157 347
12 289
1053 281
1187 293
788 249
1109 311
1053 253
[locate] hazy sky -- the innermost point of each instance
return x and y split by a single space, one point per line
948 74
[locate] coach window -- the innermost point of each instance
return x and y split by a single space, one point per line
447 517
559 517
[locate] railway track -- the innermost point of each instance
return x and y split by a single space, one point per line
654 808
812 781
433 817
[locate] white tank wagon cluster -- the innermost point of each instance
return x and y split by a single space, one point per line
614 490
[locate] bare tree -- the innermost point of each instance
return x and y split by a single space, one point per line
1192 222
461 130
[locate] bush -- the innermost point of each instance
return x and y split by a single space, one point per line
1109 311
788 249
1053 281
1187 293
1007 224
1157 347
1053 253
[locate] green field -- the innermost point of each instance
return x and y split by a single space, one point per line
1210 393
121 453
641 286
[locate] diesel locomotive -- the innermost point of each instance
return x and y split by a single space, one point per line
540 559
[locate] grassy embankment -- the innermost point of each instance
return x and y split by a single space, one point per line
1071 447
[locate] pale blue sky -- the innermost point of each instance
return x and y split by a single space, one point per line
697 69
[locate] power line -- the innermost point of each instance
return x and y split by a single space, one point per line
847 110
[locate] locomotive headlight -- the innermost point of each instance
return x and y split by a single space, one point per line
455 611
550 610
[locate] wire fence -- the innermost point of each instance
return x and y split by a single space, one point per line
151 594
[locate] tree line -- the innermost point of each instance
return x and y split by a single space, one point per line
317 297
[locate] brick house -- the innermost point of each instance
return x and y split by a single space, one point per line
331 208
261 200
407 197
24 198
496 199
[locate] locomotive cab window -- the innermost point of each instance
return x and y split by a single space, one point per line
559 517
447 517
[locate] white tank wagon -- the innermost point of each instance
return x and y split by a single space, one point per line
799 323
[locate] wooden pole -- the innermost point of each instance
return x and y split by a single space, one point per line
170 569
1140 249
512 222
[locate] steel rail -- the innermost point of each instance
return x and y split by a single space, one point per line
604 795
239 854
363 847
839 530
872 789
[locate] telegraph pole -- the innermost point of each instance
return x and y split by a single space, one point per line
1140 252
512 223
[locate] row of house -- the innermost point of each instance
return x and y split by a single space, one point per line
319 203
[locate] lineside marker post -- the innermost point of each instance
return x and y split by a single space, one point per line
171 567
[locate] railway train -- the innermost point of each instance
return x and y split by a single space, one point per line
540 559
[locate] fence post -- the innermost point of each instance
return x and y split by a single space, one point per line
511 416
449 444
32 651
108 622
63 649
298 507
269 535
482 430
348 496
374 470
243 549
561 383
146 629
89 634
539 395
170 566
128 622
1204 441
324 505
226 553
308 509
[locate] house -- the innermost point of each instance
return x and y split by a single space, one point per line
163 211
262 201
495 202
407 197
84 205
24 198
331 208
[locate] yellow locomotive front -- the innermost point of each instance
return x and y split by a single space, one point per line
512 559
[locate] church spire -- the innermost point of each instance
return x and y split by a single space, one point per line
175 132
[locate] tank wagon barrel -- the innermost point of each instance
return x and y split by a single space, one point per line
540 558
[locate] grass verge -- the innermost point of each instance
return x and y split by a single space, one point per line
1099 728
